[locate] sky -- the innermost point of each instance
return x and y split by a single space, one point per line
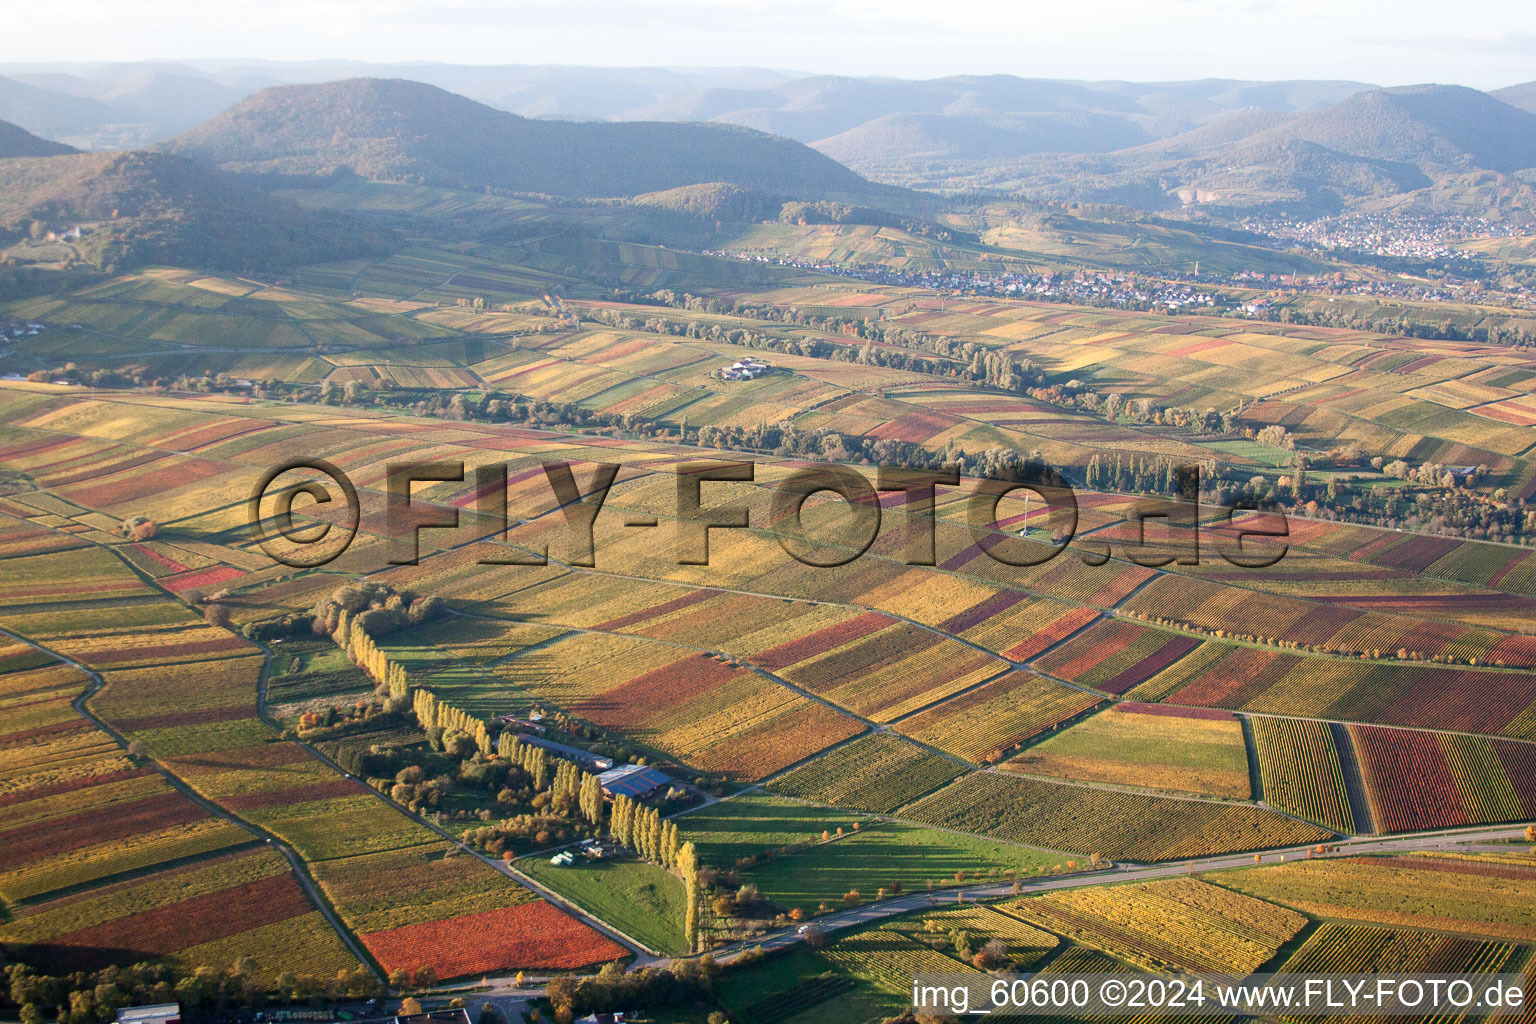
1481 43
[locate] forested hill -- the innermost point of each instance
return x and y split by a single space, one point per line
145 207
391 129
15 141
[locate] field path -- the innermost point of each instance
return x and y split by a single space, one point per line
1354 779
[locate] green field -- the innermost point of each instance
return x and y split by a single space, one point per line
879 855
639 899
754 822
888 853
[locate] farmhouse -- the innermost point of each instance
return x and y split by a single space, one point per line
745 369
635 781
522 725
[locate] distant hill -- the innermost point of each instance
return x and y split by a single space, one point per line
1429 126
715 201
1114 114
1366 149
1299 146
917 138
1191 103
147 207
73 119
16 141
167 100
406 131
1522 96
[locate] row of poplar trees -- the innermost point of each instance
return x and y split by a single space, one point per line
632 823
641 829
366 655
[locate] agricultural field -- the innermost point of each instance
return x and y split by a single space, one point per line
1299 770
802 854
1147 745
1446 894
1180 924
1265 680
1115 655
181 915
196 719
755 822
888 855
877 773
642 900
888 958
1418 780
990 721
1120 825
705 712
1348 948
802 987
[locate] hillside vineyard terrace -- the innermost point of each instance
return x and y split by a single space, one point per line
859 526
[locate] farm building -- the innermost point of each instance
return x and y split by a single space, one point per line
635 781
158 1013
588 760
744 369
522 725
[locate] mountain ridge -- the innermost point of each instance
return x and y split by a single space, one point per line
16 141
393 129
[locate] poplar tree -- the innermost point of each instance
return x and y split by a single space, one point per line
688 867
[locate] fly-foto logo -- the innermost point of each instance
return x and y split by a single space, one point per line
849 514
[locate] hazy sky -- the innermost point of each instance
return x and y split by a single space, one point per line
1483 43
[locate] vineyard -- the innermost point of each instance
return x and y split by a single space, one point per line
1181 924
1419 780
893 671
1119 825
890 959
1354 949
1025 944
534 936
1442 894
1147 745
699 669
1299 770
1116 655
172 914
1271 681
878 773
990 721
704 711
